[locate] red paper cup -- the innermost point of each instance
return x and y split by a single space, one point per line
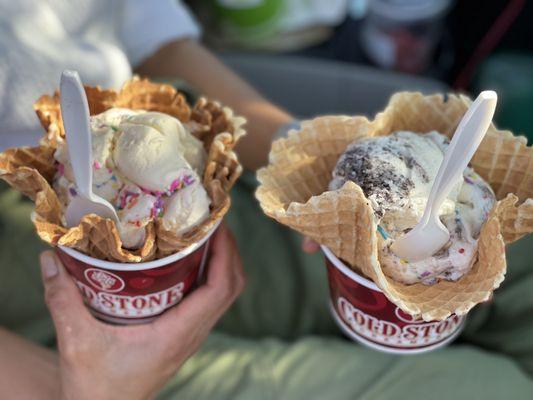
132 293
364 314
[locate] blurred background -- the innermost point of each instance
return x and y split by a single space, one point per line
346 56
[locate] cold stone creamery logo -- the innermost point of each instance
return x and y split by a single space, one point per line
414 333
104 280
132 306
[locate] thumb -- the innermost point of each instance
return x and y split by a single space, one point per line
63 298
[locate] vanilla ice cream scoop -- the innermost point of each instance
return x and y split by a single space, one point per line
396 173
186 144
153 150
185 208
149 166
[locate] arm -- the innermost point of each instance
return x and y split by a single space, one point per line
191 61
27 371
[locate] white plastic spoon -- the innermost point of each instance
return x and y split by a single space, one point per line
429 235
75 113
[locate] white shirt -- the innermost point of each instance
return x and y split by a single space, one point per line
101 39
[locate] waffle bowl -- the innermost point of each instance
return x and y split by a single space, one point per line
30 170
294 191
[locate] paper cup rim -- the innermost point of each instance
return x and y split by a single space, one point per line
348 271
117 266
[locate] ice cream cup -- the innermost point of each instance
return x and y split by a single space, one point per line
132 293
365 314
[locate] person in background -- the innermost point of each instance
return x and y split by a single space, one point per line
107 42
262 347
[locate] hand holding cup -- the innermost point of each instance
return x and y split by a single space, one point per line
104 361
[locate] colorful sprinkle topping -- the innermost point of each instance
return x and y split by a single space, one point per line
96 165
128 199
180 183
73 192
382 232
157 209
175 185
461 250
468 180
60 169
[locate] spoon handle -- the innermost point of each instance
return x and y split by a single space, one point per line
465 141
75 114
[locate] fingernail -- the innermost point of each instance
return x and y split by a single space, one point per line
48 266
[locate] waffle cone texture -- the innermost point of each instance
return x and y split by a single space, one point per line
294 191
30 170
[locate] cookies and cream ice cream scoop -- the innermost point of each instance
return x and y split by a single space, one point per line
396 173
142 162
430 235
293 191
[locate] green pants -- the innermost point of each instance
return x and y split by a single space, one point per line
279 342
